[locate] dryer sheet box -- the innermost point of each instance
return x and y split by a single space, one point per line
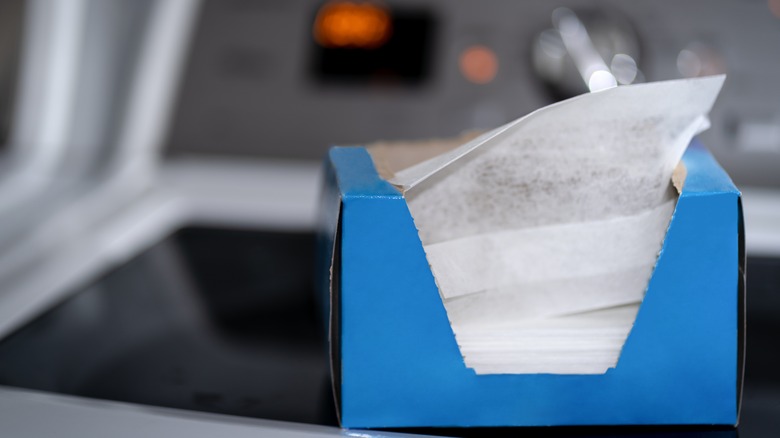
395 361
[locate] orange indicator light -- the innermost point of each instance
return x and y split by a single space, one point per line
774 7
478 64
344 24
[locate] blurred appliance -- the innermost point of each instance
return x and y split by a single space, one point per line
161 169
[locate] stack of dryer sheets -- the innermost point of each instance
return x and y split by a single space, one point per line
542 234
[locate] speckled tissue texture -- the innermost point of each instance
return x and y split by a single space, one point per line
553 218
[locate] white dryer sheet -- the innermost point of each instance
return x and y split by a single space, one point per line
535 230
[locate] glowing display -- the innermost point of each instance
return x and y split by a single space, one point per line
343 24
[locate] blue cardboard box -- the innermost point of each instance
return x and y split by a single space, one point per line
395 361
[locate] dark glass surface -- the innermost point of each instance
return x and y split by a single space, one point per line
225 321
761 403
208 320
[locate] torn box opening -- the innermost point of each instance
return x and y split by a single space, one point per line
542 234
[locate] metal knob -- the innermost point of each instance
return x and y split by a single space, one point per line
586 50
